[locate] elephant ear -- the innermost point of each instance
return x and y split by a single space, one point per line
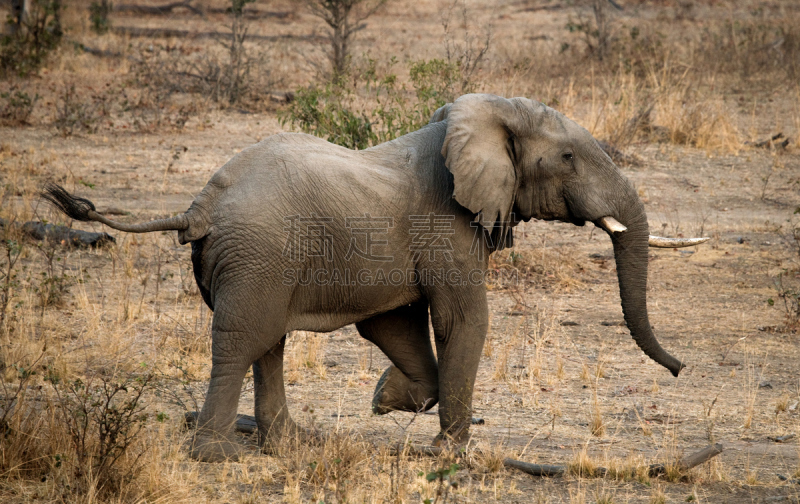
476 153
440 114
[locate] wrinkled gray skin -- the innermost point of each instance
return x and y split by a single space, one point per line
483 158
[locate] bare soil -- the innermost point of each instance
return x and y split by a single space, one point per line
556 353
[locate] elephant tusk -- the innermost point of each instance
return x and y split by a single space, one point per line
661 242
612 225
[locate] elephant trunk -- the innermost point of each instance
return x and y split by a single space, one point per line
630 253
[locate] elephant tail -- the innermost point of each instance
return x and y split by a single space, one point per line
81 209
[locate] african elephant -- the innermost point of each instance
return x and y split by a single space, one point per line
295 233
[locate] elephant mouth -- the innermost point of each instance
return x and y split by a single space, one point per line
564 214
577 221
572 218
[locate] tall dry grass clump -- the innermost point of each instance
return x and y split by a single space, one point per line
91 436
630 78
335 467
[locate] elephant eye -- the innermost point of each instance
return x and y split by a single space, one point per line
567 157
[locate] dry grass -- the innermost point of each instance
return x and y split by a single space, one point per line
597 425
673 95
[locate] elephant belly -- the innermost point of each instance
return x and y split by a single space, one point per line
324 308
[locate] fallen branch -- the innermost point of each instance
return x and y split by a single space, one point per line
245 424
794 481
475 420
551 7
691 461
135 31
535 469
62 234
549 470
157 9
252 13
771 142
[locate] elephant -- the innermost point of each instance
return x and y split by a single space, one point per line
295 233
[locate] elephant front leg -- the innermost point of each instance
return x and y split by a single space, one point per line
459 331
411 383
272 414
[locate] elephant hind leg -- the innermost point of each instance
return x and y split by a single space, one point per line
214 440
237 340
271 410
412 382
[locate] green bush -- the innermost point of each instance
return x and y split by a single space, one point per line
104 419
368 106
16 107
98 16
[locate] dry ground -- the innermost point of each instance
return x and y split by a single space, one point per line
556 366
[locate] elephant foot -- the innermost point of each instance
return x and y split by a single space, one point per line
214 448
452 441
396 392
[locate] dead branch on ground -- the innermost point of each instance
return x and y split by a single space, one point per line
157 9
684 464
61 234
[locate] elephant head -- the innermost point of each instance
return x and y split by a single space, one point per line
516 159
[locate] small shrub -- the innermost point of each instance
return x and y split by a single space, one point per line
55 282
228 74
103 418
98 16
787 289
22 452
465 52
787 283
12 249
16 107
344 18
24 51
444 478
595 30
74 114
323 112
371 106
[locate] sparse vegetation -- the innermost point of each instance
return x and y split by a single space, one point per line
98 16
32 38
336 111
74 114
16 107
344 18
787 282
104 351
